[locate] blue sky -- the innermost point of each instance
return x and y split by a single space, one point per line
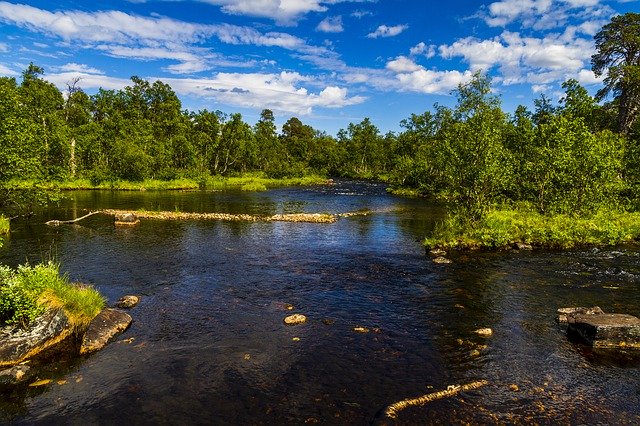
328 62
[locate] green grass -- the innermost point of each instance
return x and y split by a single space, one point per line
504 228
248 182
4 225
4 228
27 291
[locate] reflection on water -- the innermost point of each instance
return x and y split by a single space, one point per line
209 345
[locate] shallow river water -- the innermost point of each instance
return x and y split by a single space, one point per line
208 344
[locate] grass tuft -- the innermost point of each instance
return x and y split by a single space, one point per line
28 290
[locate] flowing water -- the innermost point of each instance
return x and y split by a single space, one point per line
208 344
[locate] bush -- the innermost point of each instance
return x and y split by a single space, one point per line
25 293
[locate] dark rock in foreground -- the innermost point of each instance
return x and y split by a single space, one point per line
126 302
48 330
15 375
606 331
103 328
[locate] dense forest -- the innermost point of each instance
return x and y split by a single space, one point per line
569 157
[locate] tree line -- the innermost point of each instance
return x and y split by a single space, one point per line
571 156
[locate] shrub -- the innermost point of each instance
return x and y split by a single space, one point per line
25 293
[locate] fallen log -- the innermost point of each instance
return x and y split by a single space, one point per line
392 410
56 222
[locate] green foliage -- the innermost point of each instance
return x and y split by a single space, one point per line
26 292
617 58
504 228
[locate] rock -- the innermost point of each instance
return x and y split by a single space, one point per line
295 319
15 375
361 329
104 327
126 219
564 314
48 329
484 332
328 321
522 246
437 252
441 260
606 331
127 302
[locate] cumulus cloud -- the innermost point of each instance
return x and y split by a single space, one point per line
79 68
119 34
523 59
386 31
283 91
403 64
544 14
422 49
331 24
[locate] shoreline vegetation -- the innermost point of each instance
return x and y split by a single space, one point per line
568 170
28 291
248 182
504 229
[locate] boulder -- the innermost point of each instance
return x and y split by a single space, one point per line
127 302
15 375
295 319
606 331
47 330
103 328
126 219
564 315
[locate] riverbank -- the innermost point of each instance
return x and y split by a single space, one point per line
251 182
28 291
506 228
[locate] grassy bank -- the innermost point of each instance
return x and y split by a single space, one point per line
252 182
504 228
26 292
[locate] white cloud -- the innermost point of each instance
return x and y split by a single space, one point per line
544 14
280 92
8 72
4 47
80 68
331 24
587 77
123 35
422 49
386 31
403 64
284 12
523 59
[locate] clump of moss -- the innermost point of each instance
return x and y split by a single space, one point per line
26 292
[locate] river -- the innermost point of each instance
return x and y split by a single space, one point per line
208 344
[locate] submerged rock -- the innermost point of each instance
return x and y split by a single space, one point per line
484 332
127 302
103 328
48 329
295 319
15 375
564 315
441 260
606 331
437 252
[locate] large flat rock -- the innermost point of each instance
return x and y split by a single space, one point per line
607 330
48 329
103 328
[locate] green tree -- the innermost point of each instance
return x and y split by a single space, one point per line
617 57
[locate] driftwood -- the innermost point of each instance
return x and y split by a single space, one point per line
56 222
392 410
